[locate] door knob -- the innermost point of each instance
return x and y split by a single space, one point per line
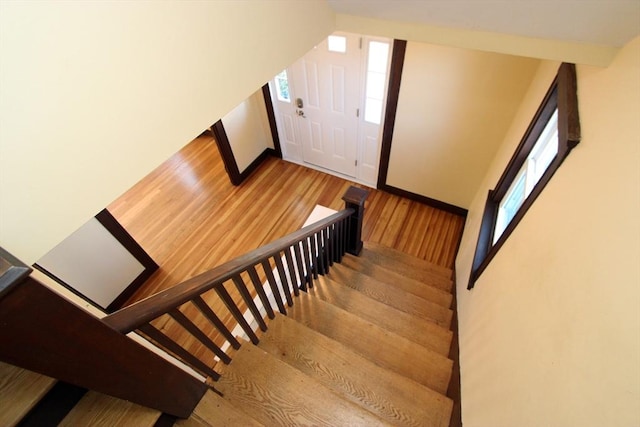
299 103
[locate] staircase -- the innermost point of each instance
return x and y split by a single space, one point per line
368 344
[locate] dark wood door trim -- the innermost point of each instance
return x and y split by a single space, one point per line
395 77
112 225
271 115
393 94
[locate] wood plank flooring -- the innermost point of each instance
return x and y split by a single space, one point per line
189 218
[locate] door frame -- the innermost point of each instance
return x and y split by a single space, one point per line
389 111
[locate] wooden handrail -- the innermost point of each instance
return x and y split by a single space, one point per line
130 318
307 253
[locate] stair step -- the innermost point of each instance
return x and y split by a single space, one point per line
389 294
99 409
384 272
392 397
416 329
348 273
213 410
385 348
376 251
20 390
274 393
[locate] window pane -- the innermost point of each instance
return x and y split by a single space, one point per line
510 203
337 44
378 56
282 87
375 85
373 110
545 149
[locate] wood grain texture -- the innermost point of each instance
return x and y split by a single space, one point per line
382 347
189 217
20 390
96 409
380 269
389 294
274 393
395 280
417 329
213 410
397 260
396 399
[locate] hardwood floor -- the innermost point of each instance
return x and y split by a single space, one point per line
189 218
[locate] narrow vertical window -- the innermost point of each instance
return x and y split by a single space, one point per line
552 134
537 162
282 87
377 61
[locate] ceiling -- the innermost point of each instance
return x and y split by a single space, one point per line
603 22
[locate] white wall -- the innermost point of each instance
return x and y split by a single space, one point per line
247 127
94 95
550 333
454 108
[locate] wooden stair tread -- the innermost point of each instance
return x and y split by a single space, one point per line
214 410
390 396
275 393
385 348
383 271
20 390
390 294
375 251
99 409
390 279
416 329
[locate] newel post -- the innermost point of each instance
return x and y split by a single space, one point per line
354 199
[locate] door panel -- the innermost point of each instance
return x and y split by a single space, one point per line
329 85
342 95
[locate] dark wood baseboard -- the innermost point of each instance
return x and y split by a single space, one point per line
456 210
453 391
256 163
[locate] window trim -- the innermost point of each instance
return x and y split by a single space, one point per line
561 95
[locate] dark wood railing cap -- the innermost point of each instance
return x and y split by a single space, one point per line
129 318
355 195
12 272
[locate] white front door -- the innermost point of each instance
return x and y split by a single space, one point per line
325 103
326 86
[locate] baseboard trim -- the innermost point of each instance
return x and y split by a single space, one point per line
256 163
453 391
456 210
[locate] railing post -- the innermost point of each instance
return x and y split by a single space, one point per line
354 199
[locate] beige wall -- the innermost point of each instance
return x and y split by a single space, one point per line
247 127
454 108
550 333
94 95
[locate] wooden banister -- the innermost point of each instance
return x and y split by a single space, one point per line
297 260
130 318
